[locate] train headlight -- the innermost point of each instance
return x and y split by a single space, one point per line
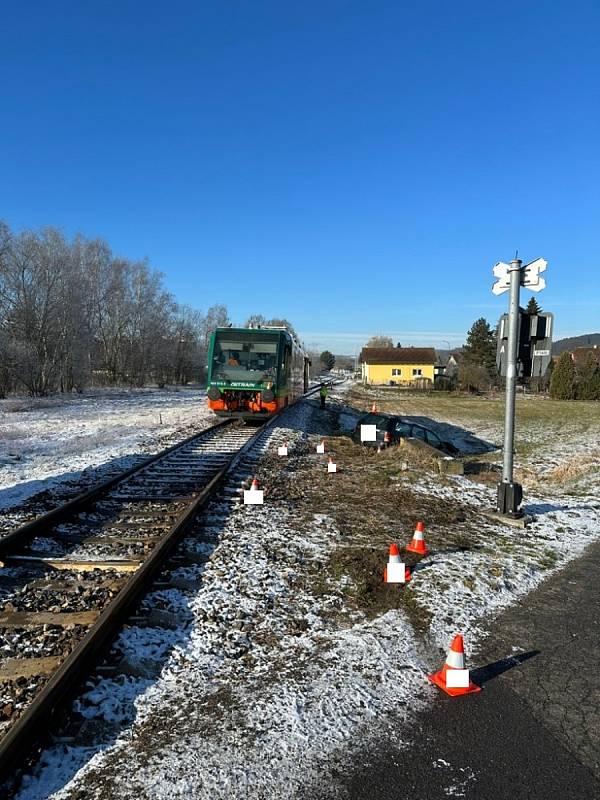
213 393
268 395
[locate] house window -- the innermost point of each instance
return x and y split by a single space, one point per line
417 372
396 372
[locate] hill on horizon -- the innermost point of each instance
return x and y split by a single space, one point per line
571 342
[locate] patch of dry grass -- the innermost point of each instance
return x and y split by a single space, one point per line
464 408
372 502
574 468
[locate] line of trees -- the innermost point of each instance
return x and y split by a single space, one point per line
575 382
74 315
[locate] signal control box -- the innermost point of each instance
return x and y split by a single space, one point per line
534 348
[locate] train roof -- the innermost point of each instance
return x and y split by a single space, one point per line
270 329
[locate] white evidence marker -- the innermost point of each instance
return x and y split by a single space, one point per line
368 433
331 467
282 451
321 448
457 678
253 497
396 573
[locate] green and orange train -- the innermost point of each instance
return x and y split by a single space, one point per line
254 372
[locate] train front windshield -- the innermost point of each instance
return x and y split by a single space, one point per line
236 360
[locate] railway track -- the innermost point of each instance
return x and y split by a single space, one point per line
71 577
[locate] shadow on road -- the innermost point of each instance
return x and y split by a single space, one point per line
482 675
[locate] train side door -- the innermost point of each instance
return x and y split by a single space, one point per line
287 372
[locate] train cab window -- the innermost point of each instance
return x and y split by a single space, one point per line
262 361
237 360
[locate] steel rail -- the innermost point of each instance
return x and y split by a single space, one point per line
29 727
60 513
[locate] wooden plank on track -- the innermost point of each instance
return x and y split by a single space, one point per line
120 565
133 539
34 619
166 516
169 480
14 668
112 584
144 498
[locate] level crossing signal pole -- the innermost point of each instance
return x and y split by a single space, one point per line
510 494
510 278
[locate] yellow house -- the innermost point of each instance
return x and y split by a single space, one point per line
397 365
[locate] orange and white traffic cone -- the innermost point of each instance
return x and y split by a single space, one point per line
331 465
417 544
255 486
453 678
394 558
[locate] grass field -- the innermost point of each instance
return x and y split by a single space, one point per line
556 440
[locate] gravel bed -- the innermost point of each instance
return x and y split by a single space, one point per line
79 597
46 640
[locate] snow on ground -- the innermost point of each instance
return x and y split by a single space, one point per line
47 442
274 682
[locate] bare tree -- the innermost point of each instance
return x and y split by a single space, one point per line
32 272
255 321
187 345
380 341
71 313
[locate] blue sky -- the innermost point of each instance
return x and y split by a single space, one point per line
355 167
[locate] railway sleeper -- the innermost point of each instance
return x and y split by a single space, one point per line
139 668
73 586
184 557
156 618
37 619
132 529
186 584
14 668
120 565
151 498
171 480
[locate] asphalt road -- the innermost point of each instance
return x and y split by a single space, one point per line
534 732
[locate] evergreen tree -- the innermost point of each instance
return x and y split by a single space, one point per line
562 383
588 384
480 349
533 307
327 359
